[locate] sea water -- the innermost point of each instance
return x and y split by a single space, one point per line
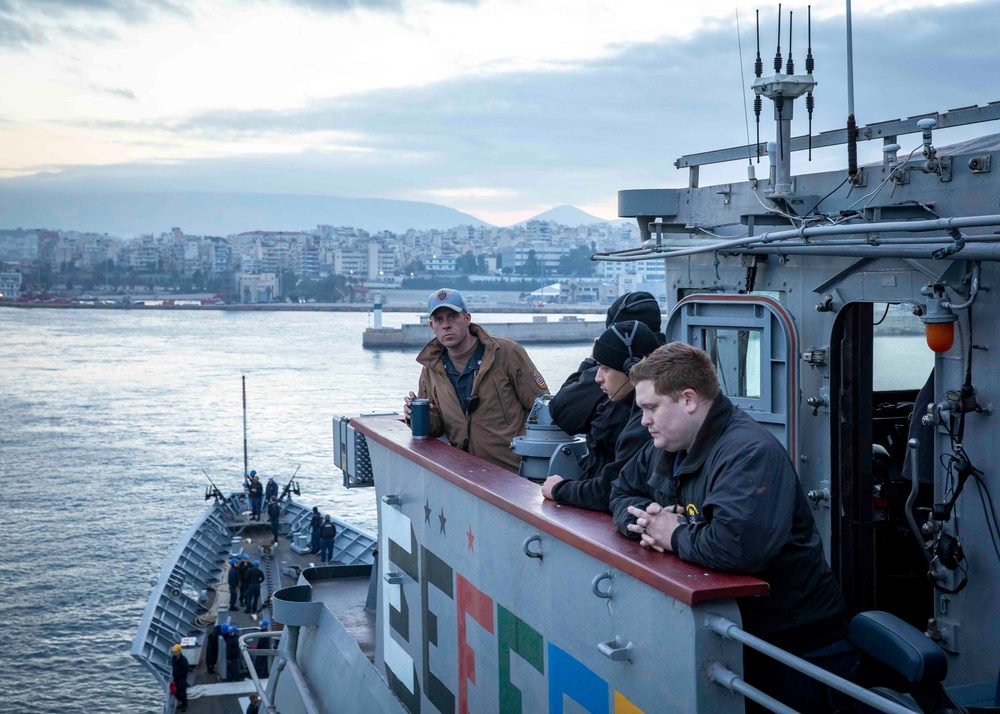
108 419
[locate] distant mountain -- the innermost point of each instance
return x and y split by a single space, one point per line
568 216
130 214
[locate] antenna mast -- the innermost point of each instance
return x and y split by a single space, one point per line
783 88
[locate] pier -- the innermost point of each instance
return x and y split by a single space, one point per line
567 329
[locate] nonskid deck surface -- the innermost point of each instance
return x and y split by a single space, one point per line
345 598
209 693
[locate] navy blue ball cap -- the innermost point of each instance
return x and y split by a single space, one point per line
446 297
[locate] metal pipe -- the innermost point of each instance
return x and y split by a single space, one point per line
913 445
308 701
973 291
977 253
936 224
720 674
730 631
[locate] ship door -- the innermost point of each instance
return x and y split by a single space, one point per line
872 552
751 340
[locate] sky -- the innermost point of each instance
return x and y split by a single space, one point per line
498 108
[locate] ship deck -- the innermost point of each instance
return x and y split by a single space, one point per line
345 597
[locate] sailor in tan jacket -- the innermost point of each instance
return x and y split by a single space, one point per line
481 388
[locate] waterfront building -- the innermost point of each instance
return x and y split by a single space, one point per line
10 286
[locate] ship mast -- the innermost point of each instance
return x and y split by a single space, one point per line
246 473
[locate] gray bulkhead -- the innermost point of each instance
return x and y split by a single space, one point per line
828 287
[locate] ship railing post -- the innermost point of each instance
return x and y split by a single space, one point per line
718 672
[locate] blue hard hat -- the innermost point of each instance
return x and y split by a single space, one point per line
256 562
233 561
252 472
246 556
264 623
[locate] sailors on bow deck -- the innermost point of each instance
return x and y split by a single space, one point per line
716 488
480 387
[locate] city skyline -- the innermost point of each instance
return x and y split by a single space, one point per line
496 108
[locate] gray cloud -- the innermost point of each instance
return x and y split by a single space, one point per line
131 11
24 23
122 92
580 132
337 6
18 35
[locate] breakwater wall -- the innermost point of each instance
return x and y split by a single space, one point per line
539 331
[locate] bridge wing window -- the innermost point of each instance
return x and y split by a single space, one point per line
736 354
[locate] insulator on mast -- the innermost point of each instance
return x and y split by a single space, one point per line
757 105
777 53
810 104
852 148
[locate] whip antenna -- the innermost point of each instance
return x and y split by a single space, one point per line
790 65
810 66
758 70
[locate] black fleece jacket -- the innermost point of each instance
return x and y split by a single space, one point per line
615 436
746 513
574 407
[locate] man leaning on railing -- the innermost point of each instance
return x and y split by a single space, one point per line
719 490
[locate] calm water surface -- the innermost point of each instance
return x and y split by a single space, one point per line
109 417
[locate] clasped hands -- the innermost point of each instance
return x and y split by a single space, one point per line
656 525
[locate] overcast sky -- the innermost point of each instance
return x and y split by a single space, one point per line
500 108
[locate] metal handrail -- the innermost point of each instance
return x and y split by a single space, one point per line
731 631
245 651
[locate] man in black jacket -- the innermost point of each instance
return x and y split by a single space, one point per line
315 523
179 669
253 593
616 433
575 405
717 489
256 491
327 539
233 580
274 515
244 568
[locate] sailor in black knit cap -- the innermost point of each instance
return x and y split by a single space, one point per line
616 433
575 405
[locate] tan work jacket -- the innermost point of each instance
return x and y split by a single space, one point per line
507 383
